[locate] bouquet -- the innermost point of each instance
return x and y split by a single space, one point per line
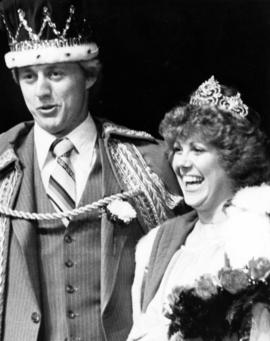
219 306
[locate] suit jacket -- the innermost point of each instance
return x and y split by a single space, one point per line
20 305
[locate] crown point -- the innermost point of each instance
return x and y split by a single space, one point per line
21 14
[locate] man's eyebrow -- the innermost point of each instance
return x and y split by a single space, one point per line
26 69
56 66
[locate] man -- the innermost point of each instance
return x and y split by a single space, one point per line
69 278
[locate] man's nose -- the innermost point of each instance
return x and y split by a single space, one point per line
43 88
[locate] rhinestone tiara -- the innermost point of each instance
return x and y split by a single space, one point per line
210 93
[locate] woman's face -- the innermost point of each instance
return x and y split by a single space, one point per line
204 182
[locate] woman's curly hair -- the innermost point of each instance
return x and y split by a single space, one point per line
241 145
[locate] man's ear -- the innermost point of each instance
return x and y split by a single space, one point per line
15 75
90 81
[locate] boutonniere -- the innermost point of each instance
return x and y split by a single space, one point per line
121 211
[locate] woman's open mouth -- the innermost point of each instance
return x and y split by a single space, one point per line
192 181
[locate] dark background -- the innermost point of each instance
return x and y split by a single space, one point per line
154 53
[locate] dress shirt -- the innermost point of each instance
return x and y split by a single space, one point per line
82 158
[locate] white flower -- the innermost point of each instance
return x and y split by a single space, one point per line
122 211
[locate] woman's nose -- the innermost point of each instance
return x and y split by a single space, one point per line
181 163
185 160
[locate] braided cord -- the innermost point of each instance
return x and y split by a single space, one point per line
6 211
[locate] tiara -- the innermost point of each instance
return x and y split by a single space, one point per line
210 93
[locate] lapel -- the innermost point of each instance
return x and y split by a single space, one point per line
25 230
112 242
170 237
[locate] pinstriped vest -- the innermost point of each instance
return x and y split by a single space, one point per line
70 269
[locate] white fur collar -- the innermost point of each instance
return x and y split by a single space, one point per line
255 198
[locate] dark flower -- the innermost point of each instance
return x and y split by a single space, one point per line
259 269
233 280
206 286
172 298
192 316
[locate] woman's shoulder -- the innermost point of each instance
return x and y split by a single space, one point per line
144 246
168 230
248 225
254 199
169 226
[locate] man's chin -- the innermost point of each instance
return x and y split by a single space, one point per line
54 129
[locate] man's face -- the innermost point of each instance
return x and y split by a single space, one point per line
56 95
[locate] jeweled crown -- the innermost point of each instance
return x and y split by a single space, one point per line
46 31
35 38
210 93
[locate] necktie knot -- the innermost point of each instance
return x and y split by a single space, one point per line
62 147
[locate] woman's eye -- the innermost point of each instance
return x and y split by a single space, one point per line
198 149
177 149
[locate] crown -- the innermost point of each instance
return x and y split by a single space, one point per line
210 93
33 43
35 38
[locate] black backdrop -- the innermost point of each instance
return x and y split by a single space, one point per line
154 53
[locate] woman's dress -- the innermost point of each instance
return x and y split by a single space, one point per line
243 235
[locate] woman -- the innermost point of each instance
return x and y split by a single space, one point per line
217 152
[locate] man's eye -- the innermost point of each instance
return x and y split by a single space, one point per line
27 77
56 75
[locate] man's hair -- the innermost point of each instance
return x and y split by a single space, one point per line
240 144
91 69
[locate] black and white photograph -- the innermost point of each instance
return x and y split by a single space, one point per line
135 170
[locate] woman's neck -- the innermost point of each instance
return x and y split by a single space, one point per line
214 216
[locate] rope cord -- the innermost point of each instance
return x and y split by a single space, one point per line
6 211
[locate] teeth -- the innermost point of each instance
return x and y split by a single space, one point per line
191 179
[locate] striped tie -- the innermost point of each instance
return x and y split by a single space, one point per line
61 189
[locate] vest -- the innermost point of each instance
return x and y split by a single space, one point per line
171 235
70 268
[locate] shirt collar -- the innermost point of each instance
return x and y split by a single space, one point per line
84 136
